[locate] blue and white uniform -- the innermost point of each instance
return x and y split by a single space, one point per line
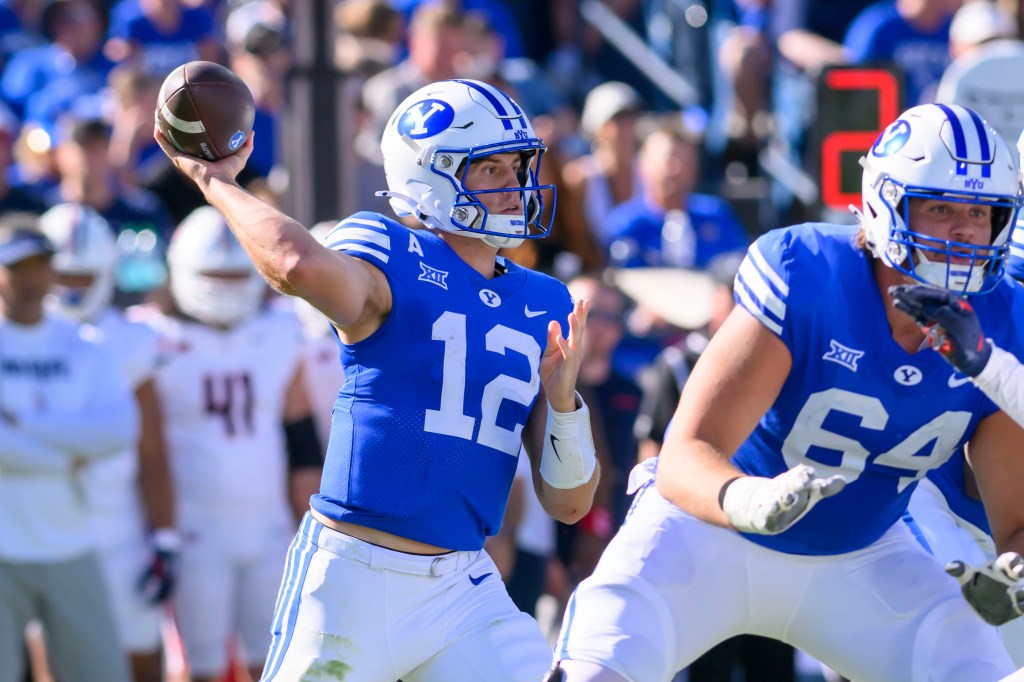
858 410
854 404
424 442
469 351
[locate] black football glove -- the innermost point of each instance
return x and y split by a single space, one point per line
950 323
995 589
157 582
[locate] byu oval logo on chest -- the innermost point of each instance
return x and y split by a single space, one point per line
908 375
490 298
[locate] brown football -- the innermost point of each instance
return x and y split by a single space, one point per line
205 110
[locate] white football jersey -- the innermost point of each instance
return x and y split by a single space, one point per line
222 394
49 370
112 485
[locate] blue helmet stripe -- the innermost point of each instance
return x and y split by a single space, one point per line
959 141
515 107
495 102
986 157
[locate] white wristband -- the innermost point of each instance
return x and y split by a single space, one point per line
568 458
742 503
1002 380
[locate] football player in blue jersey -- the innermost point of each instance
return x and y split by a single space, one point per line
775 506
454 358
946 508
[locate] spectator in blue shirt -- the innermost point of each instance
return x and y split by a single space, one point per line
81 156
912 34
71 65
162 34
668 224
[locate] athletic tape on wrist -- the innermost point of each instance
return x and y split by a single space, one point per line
568 458
740 498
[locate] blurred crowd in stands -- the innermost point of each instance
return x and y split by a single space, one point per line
675 129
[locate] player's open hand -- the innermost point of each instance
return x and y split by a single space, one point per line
560 364
201 171
767 506
995 590
949 323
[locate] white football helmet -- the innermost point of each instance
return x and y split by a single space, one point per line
85 245
429 143
201 248
940 151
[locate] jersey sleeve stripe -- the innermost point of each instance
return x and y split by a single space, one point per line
362 221
360 234
755 310
756 284
762 265
348 247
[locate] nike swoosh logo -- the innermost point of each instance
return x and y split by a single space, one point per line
533 313
553 441
477 581
958 380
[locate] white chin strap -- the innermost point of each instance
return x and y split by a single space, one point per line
961 277
512 225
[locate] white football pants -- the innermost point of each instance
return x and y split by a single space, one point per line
669 587
365 613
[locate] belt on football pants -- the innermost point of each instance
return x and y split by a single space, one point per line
381 558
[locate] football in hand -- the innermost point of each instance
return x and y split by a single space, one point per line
205 110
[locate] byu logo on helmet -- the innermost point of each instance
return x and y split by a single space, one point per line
892 139
236 140
426 119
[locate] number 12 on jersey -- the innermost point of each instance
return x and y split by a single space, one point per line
451 419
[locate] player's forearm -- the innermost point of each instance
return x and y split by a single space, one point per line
569 505
289 257
1002 380
690 476
277 244
23 453
154 471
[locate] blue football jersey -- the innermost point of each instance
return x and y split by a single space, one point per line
428 425
855 403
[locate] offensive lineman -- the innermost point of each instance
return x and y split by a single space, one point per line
775 506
